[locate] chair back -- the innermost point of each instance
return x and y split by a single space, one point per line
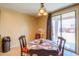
37 36
61 44
22 40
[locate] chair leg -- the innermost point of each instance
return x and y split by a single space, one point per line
21 54
30 54
24 54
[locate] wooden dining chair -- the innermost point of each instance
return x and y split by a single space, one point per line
23 45
61 43
37 36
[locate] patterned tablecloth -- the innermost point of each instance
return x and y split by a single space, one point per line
46 44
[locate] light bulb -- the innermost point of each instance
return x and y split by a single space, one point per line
45 13
39 14
41 10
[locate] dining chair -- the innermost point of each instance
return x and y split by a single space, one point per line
23 45
37 36
61 43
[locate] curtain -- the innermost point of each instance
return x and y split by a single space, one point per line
48 34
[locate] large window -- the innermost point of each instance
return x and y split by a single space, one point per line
64 25
56 28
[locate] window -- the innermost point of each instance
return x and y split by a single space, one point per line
64 25
55 27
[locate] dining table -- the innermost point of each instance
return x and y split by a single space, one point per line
42 47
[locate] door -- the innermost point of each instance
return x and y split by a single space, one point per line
64 26
68 30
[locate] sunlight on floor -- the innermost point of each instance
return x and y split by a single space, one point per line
68 53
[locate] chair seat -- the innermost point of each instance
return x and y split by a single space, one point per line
25 50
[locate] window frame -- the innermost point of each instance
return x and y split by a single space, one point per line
61 27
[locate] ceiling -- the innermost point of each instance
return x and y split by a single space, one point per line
32 8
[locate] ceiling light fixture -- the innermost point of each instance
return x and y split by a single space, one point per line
42 10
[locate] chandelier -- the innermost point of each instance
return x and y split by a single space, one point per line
42 10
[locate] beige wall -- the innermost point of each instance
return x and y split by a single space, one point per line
15 24
42 23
